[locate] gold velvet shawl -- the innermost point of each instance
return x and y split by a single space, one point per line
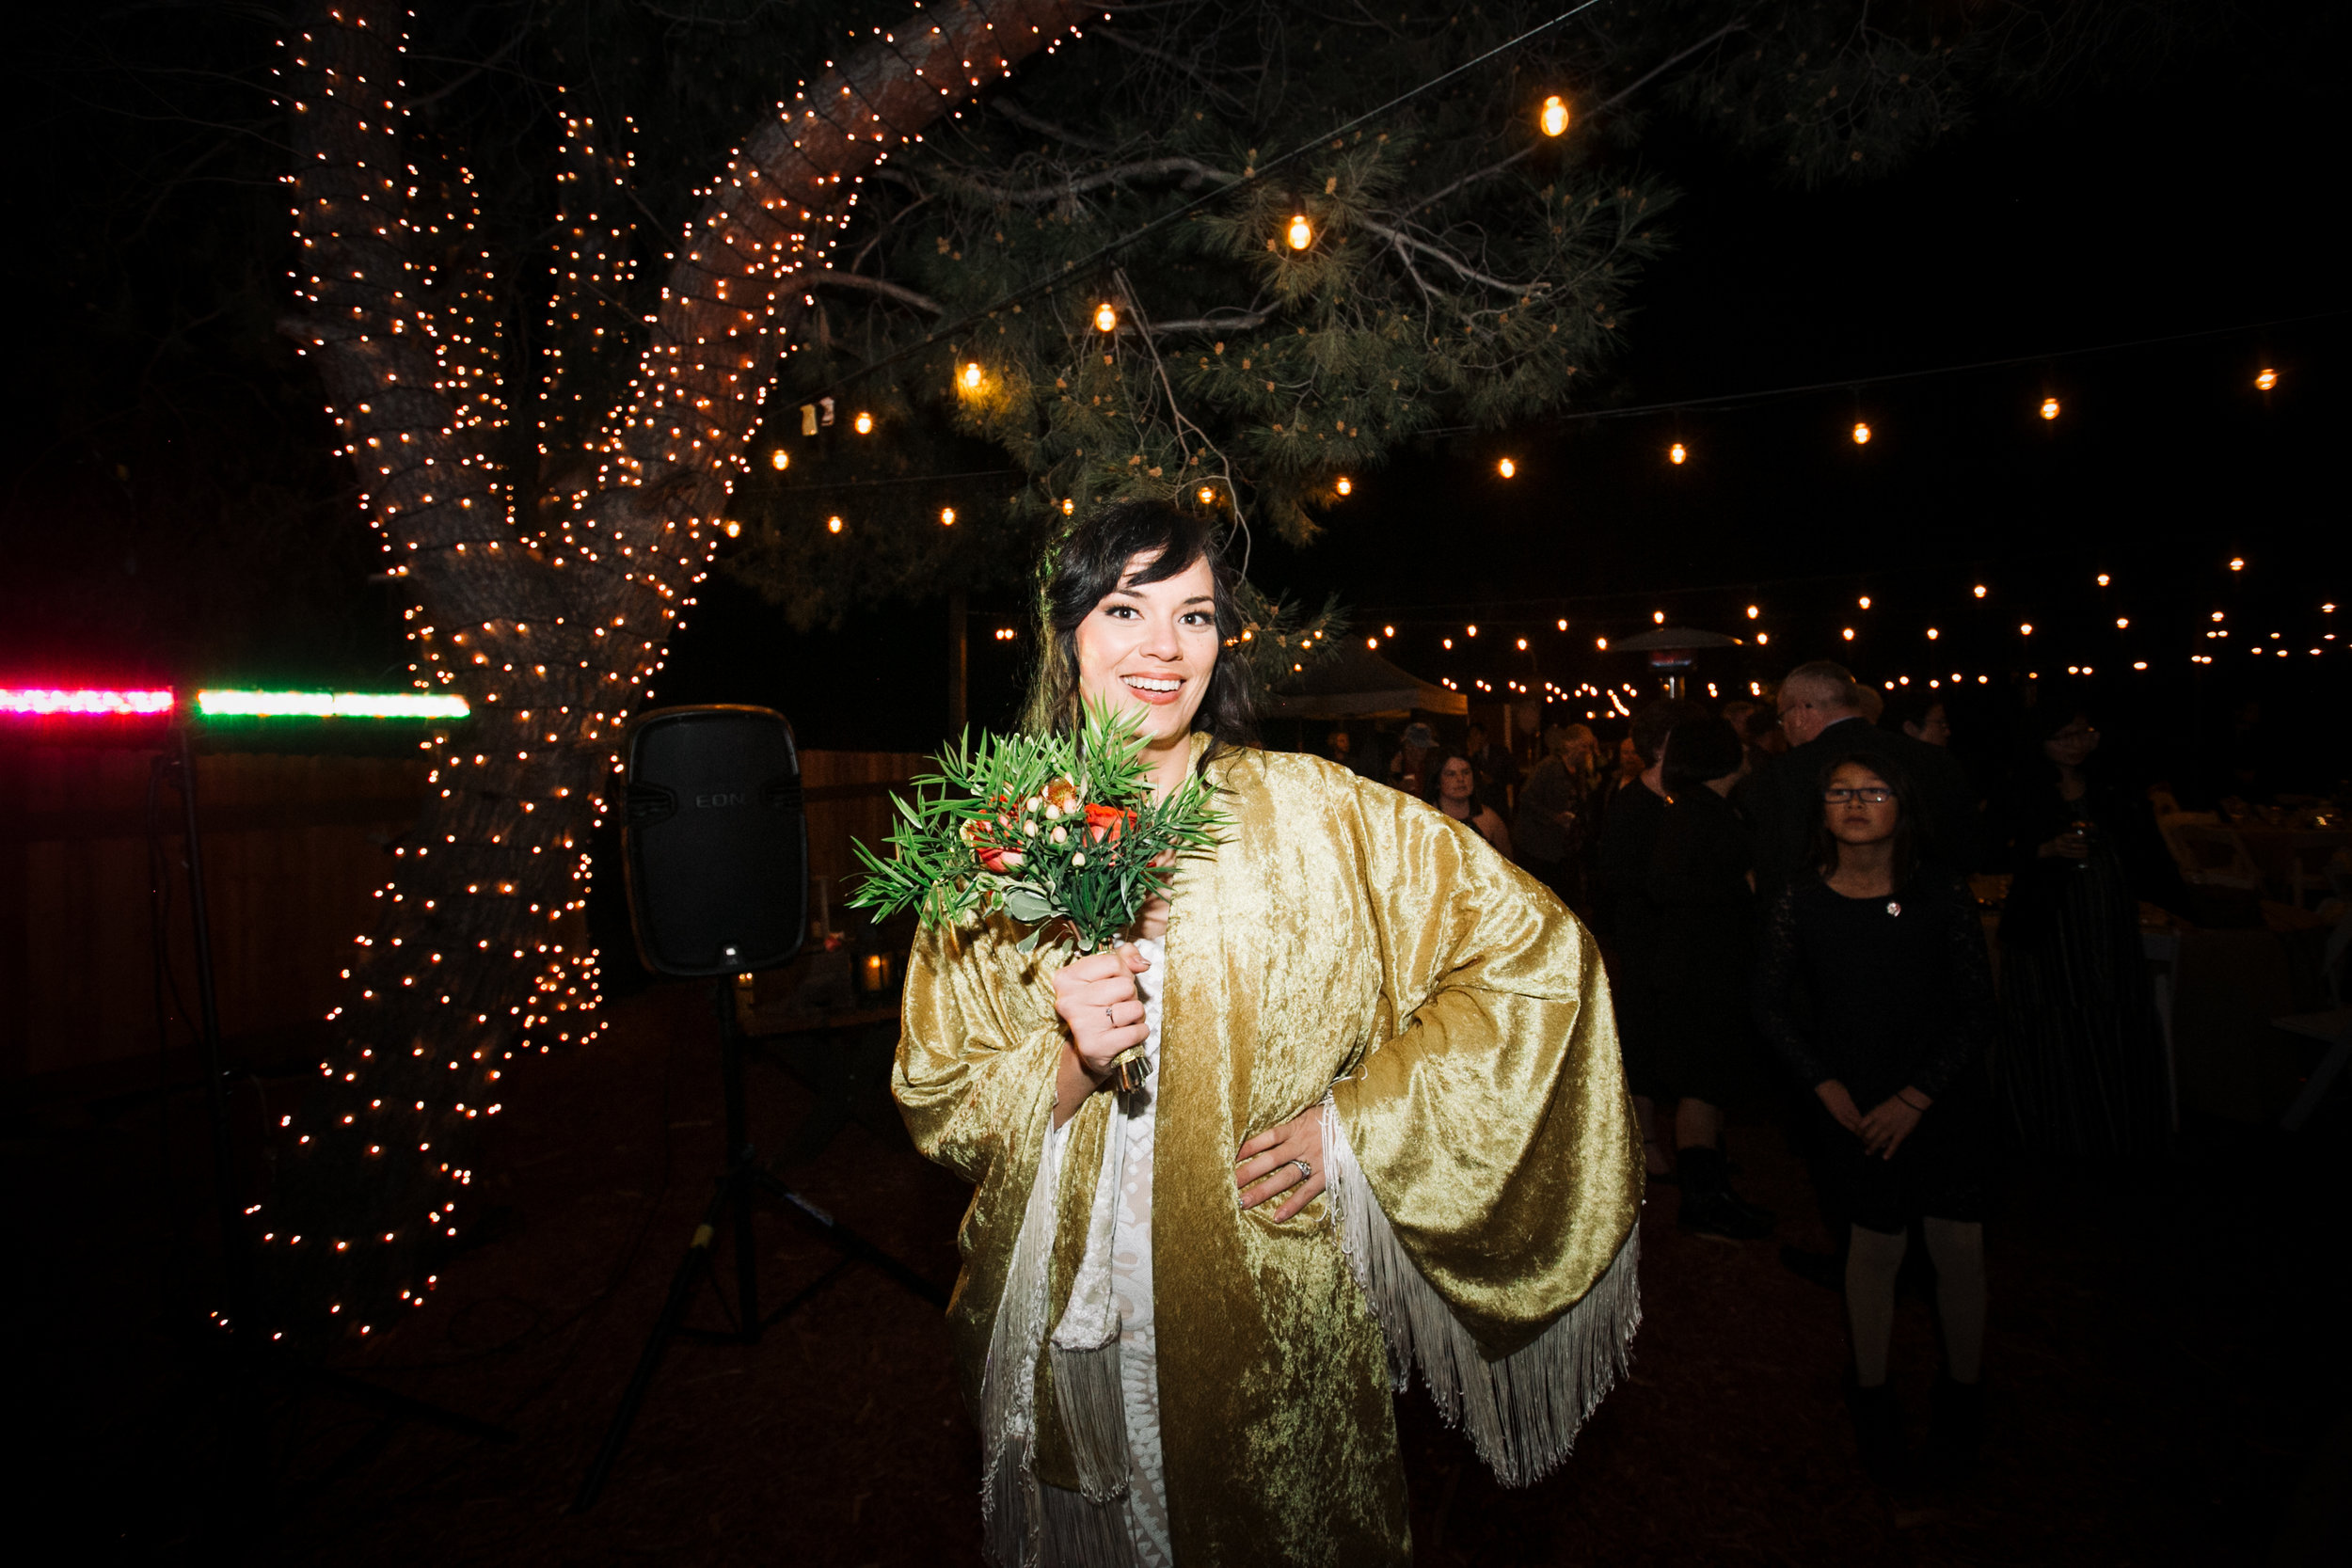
1343 939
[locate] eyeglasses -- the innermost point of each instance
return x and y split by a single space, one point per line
1867 797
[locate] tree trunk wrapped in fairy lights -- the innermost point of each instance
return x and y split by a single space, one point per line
544 599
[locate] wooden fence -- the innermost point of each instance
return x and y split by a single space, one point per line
295 848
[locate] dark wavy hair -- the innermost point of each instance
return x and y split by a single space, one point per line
1435 767
1911 833
1092 560
1698 751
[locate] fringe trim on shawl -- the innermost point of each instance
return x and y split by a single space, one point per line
1522 1412
1094 1415
1010 1513
1084 1534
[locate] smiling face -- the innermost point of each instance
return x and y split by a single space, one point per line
1455 780
1148 648
1855 819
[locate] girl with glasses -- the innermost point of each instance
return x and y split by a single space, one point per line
1874 989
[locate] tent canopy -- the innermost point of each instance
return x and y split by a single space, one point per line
1356 683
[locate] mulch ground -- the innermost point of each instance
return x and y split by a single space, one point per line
2167 1358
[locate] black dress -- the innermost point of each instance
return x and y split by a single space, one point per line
1624 919
1697 1035
2081 1069
1880 993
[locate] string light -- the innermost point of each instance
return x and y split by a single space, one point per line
2121 621
1068 506
2103 580
734 528
1105 318
946 516
1523 644
1345 485
1934 634
328 704
2049 408
1864 601
972 376
1755 611
2238 564
1657 617
42 702
863 423
1474 631
1979 590
1563 624
1861 434
1506 468
779 460
1371 642
2024 628
1846 633
1678 453
2267 379
1388 631
1302 233
832 525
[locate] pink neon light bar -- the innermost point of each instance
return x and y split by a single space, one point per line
37 703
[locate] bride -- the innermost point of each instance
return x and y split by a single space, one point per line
1382 1125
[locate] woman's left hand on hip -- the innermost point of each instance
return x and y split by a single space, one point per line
1285 1162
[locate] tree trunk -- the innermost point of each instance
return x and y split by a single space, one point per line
548 613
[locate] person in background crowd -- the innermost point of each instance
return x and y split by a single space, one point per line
1920 715
1698 1048
1408 770
1821 712
1874 990
1629 764
2082 1074
1497 769
1454 791
1553 823
1343 748
1628 834
1869 700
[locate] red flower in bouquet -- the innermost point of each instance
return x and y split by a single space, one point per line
992 855
1107 821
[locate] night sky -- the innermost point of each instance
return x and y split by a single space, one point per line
2113 212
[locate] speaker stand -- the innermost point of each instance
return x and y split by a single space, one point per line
741 1185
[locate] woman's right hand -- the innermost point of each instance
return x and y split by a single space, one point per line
2069 845
1096 998
1840 1104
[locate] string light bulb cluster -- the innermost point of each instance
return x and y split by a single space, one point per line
1554 116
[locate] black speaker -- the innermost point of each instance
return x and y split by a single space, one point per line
714 840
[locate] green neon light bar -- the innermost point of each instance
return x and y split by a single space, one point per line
327 705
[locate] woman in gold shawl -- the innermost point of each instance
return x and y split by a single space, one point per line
1382 1126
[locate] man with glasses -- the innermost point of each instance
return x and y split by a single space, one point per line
1822 714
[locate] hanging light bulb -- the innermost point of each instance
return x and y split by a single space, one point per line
1208 495
1506 468
832 525
1555 119
1934 634
946 516
1068 506
1388 631
1474 631
1678 453
1105 318
2103 580
865 423
972 376
1563 624
1755 611
1523 644
1864 602
1657 617
735 529
779 460
1861 434
2238 564
2268 379
1345 485
1979 590
2049 408
1302 233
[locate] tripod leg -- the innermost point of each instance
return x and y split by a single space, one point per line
649 1360
849 1242
739 1156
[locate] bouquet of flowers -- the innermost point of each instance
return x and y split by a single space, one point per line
1058 832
